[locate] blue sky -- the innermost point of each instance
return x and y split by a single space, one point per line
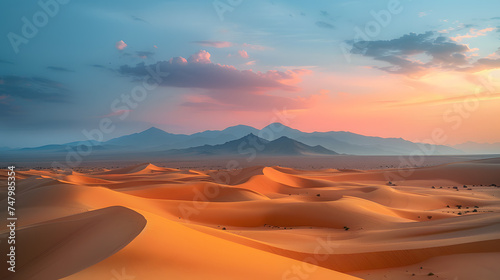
66 77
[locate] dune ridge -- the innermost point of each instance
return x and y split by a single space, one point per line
263 223
57 248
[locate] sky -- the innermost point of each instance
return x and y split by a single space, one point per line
425 71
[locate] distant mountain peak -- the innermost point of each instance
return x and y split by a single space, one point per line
276 129
283 146
238 126
277 125
285 139
154 129
249 136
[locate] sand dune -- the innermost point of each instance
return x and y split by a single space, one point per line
57 248
261 223
143 168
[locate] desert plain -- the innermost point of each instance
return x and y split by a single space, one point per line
145 221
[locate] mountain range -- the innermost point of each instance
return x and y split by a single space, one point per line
251 143
478 148
274 139
338 141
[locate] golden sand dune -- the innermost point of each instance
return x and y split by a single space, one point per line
57 248
261 223
144 168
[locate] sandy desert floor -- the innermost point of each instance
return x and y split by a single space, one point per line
150 222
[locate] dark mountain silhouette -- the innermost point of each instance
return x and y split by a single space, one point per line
288 146
283 146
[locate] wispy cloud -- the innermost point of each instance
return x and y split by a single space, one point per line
447 100
144 54
59 69
473 33
33 88
423 14
323 24
6 61
138 19
116 113
255 47
459 27
214 44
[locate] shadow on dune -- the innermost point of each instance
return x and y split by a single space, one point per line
58 248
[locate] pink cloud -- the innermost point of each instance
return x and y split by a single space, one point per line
495 55
288 77
215 44
120 45
473 33
226 44
243 54
250 63
200 57
255 47
178 60
226 88
199 72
